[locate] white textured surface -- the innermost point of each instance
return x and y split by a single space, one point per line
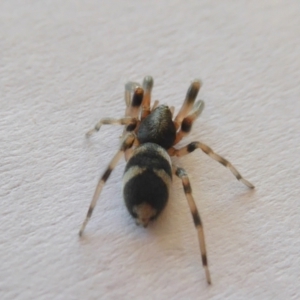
63 66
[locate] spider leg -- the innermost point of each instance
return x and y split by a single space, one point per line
129 89
147 86
187 122
128 153
134 94
132 111
188 102
126 144
172 110
181 173
130 121
207 150
155 104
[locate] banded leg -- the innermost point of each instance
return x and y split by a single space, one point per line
111 121
133 97
181 173
126 144
187 123
188 102
172 110
147 86
155 104
129 89
207 150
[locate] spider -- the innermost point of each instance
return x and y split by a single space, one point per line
147 144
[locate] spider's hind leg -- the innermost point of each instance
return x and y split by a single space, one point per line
126 144
181 173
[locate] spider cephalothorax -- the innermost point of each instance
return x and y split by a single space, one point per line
158 128
147 143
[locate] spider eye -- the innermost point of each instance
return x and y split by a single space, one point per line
152 218
134 214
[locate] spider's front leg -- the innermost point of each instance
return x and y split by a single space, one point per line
181 173
147 86
146 101
132 112
188 103
207 150
126 144
134 95
129 121
130 87
187 122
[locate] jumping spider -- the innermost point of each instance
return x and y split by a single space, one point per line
147 143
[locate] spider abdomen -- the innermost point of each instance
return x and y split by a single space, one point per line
146 182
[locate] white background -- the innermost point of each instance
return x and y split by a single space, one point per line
63 66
